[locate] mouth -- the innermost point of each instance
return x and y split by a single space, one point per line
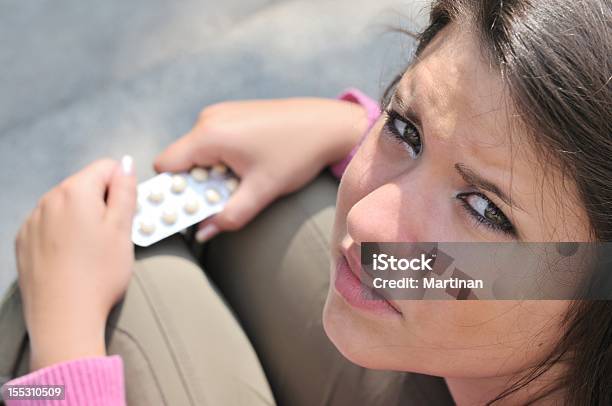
353 285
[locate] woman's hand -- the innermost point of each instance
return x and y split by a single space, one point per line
275 146
75 257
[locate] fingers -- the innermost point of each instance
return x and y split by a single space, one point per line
252 196
207 230
94 178
188 151
106 178
121 201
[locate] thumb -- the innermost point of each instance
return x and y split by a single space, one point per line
121 199
185 153
252 196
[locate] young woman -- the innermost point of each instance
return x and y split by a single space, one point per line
500 130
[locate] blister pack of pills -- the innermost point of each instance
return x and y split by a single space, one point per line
172 202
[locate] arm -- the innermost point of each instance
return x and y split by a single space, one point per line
74 258
274 146
98 379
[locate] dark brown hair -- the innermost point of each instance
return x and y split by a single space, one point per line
555 57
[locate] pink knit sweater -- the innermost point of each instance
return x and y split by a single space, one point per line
99 381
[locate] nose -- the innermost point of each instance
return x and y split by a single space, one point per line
386 214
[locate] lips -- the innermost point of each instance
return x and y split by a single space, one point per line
356 291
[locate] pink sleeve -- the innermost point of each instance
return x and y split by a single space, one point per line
373 110
87 381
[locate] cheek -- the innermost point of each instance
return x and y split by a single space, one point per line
479 339
450 339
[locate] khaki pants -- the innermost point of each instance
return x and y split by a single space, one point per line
246 328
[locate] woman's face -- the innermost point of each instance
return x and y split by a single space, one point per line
452 163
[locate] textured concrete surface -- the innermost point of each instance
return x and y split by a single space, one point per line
82 80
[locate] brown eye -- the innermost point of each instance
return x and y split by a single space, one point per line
405 132
486 212
494 214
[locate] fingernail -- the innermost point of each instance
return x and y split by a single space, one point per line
206 233
127 164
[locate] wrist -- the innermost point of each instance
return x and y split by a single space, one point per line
356 129
351 122
59 340
65 347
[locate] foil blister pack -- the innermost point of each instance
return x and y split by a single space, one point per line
171 202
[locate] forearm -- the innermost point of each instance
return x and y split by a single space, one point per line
66 343
63 327
340 124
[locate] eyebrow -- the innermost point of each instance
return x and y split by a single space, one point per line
469 175
473 179
407 110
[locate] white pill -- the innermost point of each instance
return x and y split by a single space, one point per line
199 174
219 169
156 196
147 227
191 206
169 216
231 184
179 183
212 196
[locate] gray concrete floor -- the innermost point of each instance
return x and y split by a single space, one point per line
82 79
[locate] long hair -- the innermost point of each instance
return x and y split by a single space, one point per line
555 57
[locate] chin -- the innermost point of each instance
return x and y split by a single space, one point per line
372 344
349 334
